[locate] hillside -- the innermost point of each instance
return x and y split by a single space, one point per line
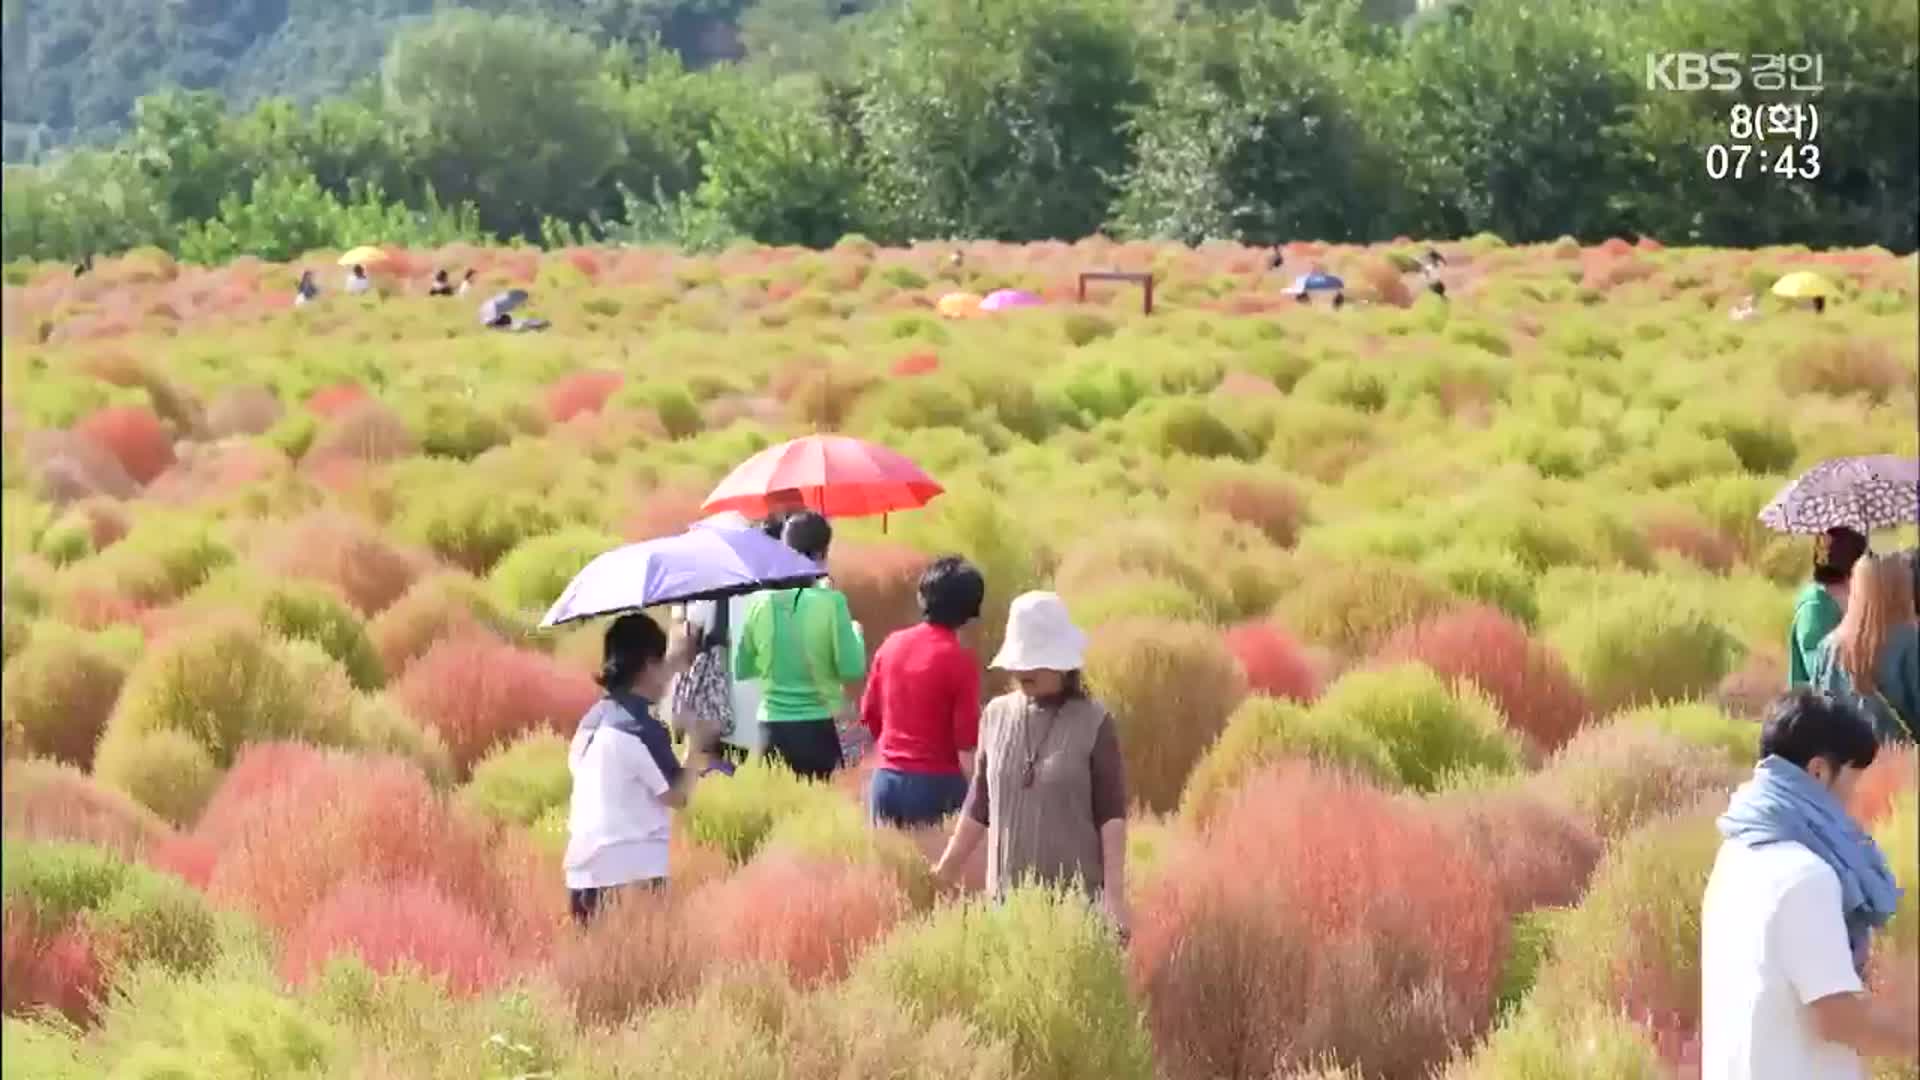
75 68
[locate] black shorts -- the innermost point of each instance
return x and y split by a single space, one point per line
586 902
810 748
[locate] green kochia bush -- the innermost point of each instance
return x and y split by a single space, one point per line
1265 730
736 816
1039 971
302 611
472 524
1428 730
140 915
519 782
1645 645
532 575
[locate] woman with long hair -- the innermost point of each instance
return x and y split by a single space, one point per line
1873 656
1049 792
626 780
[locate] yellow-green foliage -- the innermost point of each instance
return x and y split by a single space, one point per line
59 690
1355 607
1617 776
1898 835
532 575
146 916
299 610
226 684
1170 687
839 830
1539 1044
1635 641
381 726
734 814
1038 970
1263 731
1426 727
161 559
1702 725
165 770
522 780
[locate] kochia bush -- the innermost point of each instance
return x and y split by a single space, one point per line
1427 728
1262 733
478 693
1170 687
59 692
1534 691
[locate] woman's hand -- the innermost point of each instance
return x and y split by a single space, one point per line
1119 913
946 874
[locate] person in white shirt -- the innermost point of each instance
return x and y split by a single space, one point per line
625 776
1795 893
358 281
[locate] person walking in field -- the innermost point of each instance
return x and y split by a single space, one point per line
1049 790
802 646
357 281
626 780
307 291
1872 659
1794 897
1821 602
922 702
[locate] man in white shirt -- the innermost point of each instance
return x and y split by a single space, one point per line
1781 994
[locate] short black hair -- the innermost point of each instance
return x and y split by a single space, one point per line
951 591
808 533
633 641
1804 724
1834 553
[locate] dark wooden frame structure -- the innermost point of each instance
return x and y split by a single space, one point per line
1145 281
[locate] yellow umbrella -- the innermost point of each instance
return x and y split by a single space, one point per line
958 305
363 255
1802 285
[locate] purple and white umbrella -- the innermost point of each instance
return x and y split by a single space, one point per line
710 561
1007 299
1862 493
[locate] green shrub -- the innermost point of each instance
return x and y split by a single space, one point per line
1265 730
1537 1044
1486 574
164 557
381 726
404 1023
58 692
161 1024
1138 596
534 574
473 524
735 815
1701 725
1346 383
1648 645
838 829
520 781
1355 607
301 611
1170 687
1635 938
1426 728
1529 939
1898 835
456 426
1115 558
1039 971
1084 328
166 771
45 1048
293 434
674 406
225 684
68 539
140 916
1188 426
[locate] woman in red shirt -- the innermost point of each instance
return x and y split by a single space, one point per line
922 702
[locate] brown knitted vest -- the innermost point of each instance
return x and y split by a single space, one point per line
1045 831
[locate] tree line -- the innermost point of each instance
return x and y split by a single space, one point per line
1025 120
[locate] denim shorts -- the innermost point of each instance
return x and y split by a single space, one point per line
906 799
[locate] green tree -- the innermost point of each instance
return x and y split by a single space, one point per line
510 113
83 202
1506 118
1248 138
783 172
999 118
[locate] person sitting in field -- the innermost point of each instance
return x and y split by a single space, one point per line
1790 908
1746 309
441 286
1049 790
625 777
466 283
1820 603
1339 300
307 291
802 646
357 281
922 702
1872 659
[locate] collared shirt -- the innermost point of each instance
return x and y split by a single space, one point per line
802 646
922 701
622 764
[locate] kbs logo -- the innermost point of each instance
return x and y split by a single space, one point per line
1694 71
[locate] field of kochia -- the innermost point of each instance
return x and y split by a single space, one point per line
1434 629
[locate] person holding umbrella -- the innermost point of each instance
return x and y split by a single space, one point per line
1873 657
802 646
626 780
1818 608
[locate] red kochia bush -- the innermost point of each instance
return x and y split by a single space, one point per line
1693 540
280 851
478 692
368 433
916 363
134 436
580 392
663 512
1482 645
47 800
39 968
808 917
333 401
1275 664
1317 917
346 553
1893 771
636 954
1271 506
390 926
882 583
1538 854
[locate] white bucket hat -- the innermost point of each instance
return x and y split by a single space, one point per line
1041 636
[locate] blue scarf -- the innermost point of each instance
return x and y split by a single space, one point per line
1782 803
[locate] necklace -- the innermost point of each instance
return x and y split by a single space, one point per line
1032 751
